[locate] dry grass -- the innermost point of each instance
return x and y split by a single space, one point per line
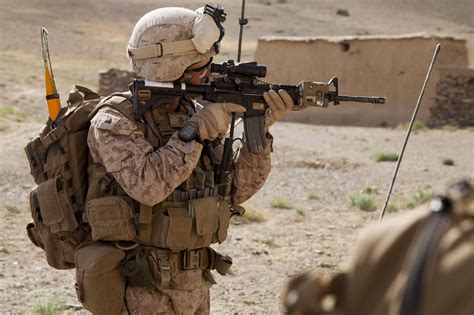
51 306
251 215
281 203
9 113
299 216
450 128
362 200
270 242
386 157
417 126
4 248
12 208
391 208
418 198
312 196
447 162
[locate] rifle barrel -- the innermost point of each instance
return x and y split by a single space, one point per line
361 99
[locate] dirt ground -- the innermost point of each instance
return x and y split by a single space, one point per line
314 167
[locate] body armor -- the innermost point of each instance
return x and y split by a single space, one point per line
194 215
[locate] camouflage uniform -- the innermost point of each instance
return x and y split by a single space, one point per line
150 176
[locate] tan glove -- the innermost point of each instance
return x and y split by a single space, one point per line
214 119
279 103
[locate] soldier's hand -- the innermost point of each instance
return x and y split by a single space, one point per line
279 103
214 119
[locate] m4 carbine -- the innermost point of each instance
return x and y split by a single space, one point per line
240 84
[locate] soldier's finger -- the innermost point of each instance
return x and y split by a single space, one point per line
286 99
234 108
277 100
268 100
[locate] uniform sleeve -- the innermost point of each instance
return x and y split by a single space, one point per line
251 172
147 175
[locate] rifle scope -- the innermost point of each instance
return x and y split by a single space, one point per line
242 69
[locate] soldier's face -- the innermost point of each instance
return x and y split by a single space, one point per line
199 72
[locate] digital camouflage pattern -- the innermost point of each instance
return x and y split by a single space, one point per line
149 176
165 25
251 172
189 295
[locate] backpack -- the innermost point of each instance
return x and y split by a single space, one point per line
58 159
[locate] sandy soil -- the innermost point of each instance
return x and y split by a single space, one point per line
312 235
327 161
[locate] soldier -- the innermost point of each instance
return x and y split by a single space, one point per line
152 205
420 262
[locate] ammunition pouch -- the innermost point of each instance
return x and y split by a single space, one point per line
111 218
100 286
137 269
56 228
188 225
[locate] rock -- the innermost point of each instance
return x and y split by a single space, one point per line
324 265
342 12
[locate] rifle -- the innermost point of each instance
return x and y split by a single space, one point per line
241 84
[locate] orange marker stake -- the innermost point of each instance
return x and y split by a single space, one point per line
52 96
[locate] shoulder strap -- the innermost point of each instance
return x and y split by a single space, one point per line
427 241
119 101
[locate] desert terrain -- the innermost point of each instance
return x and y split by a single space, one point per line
302 219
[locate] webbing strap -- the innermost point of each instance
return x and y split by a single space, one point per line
161 49
59 161
204 258
165 268
54 135
427 240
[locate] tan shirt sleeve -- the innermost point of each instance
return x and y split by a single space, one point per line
251 172
147 175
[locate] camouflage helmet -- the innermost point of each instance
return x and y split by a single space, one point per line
166 41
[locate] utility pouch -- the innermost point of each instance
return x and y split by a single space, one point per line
33 235
207 221
188 225
36 153
111 219
224 213
100 286
137 270
179 224
61 235
55 208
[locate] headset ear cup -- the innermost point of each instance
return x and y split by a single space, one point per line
207 29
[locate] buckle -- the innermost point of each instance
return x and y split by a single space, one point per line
160 52
191 259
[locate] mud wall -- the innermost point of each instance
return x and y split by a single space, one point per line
394 67
454 102
114 80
